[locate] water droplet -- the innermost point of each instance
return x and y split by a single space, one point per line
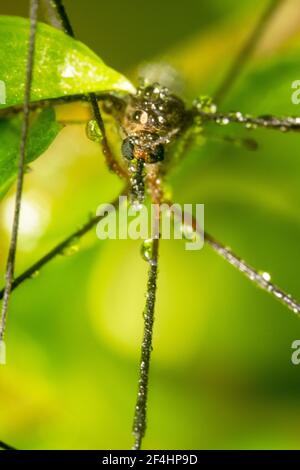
206 105
168 192
136 205
93 131
266 276
71 249
188 233
144 117
28 169
147 251
2 352
35 274
239 116
278 294
223 120
250 125
137 182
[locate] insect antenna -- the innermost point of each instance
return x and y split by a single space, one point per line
10 267
136 169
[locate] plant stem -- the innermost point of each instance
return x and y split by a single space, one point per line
34 5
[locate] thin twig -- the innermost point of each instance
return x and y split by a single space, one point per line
246 51
5 446
283 124
112 163
140 416
59 248
34 5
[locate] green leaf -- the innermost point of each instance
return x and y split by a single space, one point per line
63 66
42 132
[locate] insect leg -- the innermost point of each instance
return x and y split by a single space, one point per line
259 278
262 280
111 161
59 248
282 124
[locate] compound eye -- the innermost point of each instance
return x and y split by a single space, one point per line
127 149
157 155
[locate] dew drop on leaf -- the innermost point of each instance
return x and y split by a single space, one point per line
147 251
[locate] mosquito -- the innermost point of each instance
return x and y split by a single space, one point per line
150 122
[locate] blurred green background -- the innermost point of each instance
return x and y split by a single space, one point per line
221 375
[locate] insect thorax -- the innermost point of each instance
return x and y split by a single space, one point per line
152 118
